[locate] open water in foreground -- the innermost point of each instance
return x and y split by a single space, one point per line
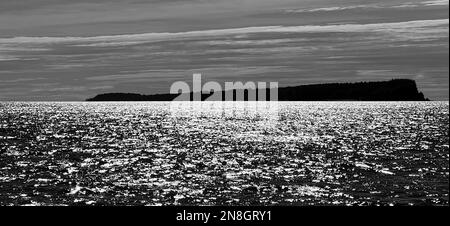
310 153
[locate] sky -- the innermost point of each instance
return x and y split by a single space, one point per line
65 50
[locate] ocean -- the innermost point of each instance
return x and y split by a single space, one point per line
297 153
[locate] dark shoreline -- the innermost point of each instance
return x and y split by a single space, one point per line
393 90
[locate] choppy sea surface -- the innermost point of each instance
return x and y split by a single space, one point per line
303 153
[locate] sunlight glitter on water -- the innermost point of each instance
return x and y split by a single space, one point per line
143 153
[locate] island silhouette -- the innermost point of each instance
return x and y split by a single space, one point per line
392 90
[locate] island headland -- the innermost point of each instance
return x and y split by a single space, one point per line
392 90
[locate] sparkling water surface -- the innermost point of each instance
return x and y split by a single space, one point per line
147 153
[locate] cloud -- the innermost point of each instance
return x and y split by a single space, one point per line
72 89
289 50
169 74
247 42
110 44
436 3
6 48
370 6
386 74
8 58
333 8
19 80
108 41
131 76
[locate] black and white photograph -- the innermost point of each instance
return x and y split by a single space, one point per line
224 103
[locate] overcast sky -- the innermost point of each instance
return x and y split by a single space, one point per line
72 50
